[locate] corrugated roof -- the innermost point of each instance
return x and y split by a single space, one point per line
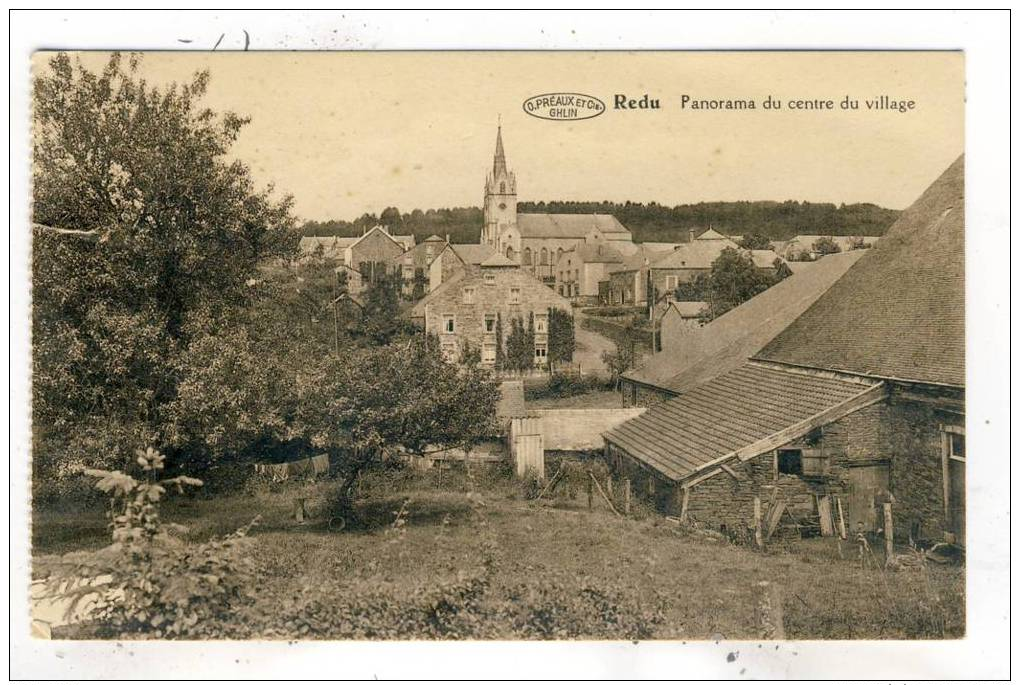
749 404
471 253
566 225
728 341
899 312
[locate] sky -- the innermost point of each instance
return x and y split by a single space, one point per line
349 133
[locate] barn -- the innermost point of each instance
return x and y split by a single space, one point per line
858 402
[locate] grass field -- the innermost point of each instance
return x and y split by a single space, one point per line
703 586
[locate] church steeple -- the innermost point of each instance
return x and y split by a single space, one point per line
499 161
500 206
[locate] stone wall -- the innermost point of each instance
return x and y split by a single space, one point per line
638 395
902 433
375 247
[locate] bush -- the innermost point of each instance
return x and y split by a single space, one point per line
562 385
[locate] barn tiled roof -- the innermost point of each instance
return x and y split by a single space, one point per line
566 225
682 435
899 311
728 341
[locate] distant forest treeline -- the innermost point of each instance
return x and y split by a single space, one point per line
650 222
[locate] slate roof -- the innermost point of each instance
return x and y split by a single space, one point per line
599 253
332 246
751 403
471 253
728 341
635 261
511 401
566 225
698 254
899 311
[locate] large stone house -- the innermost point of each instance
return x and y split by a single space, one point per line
413 265
454 259
580 269
473 306
534 240
857 403
628 281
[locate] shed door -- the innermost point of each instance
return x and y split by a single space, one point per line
865 483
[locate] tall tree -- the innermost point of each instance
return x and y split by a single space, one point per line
145 228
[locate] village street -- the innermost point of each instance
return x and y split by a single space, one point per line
589 347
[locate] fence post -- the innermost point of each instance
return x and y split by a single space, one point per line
626 496
887 511
758 540
609 486
589 493
768 611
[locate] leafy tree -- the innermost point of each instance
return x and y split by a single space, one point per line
391 218
382 321
733 280
144 224
561 337
418 287
367 405
756 241
825 245
520 347
694 290
500 350
618 361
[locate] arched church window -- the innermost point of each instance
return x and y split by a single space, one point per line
543 257
502 187
527 256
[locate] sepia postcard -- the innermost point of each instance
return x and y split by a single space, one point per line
487 345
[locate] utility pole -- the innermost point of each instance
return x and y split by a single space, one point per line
336 323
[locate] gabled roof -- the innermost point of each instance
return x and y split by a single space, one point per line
566 225
712 234
698 254
471 253
433 239
899 311
635 261
400 240
332 246
725 343
686 309
737 415
764 259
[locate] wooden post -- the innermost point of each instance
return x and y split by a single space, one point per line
887 510
841 521
683 505
299 509
609 486
589 493
758 540
768 611
626 496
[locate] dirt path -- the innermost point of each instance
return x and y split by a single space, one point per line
589 347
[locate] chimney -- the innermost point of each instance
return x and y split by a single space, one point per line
447 238
690 235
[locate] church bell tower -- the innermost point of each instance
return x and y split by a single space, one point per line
500 206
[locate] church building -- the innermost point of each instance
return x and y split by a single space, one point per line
537 241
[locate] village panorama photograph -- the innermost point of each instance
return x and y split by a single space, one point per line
497 346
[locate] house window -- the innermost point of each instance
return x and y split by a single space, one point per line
515 296
449 325
490 323
490 279
540 324
540 355
790 462
488 354
469 296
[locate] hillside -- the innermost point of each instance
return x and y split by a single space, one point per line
650 222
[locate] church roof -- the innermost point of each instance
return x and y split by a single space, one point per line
566 225
899 311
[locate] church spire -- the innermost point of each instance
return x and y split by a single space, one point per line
499 161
